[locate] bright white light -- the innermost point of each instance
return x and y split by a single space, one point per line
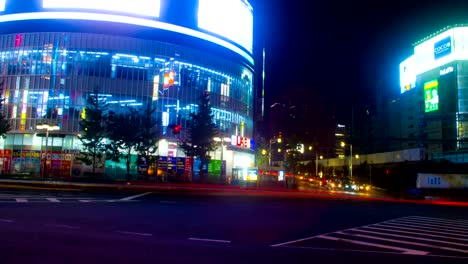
232 19
2 5
126 20
407 74
139 7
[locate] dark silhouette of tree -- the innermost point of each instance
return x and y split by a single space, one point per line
148 135
201 130
93 130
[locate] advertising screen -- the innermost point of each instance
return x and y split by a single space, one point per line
431 96
407 74
231 19
2 5
139 7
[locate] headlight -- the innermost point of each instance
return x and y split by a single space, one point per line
333 185
367 188
339 185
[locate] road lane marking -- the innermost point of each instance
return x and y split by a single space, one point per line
410 237
403 242
209 240
6 221
404 250
135 196
53 200
412 233
436 222
63 226
21 200
134 233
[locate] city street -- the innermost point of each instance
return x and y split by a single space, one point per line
211 227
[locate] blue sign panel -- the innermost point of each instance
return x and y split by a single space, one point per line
443 47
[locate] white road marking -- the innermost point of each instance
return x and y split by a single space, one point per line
404 250
209 240
64 226
134 233
84 201
21 200
437 222
372 251
440 219
413 222
410 227
425 228
411 233
409 237
292 241
6 221
135 196
53 200
403 242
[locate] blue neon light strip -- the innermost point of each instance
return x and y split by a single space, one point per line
127 20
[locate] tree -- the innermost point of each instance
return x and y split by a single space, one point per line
123 138
4 124
148 135
201 130
94 132
132 131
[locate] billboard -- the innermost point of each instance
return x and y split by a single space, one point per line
407 74
431 96
232 19
435 52
442 181
138 7
232 28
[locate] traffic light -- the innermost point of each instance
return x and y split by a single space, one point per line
175 128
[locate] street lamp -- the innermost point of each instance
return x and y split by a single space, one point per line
48 128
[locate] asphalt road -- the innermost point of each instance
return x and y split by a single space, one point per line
225 227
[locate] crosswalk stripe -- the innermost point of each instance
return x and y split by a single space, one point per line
403 242
21 200
412 233
410 237
53 200
425 229
404 250
452 229
435 220
440 219
457 226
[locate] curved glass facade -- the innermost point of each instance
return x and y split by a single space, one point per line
48 76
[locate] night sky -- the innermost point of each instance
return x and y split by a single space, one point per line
332 54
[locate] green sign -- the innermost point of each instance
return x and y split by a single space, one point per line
431 96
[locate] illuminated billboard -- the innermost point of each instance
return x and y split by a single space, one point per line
407 74
431 96
138 7
443 47
232 19
2 5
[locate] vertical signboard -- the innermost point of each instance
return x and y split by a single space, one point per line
431 96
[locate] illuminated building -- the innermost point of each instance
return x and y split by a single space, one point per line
433 105
138 53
